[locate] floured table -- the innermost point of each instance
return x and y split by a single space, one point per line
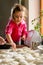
22 56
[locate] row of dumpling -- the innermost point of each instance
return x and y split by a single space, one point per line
22 56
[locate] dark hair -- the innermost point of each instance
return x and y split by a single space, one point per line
15 8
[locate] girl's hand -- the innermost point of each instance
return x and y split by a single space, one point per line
23 37
13 46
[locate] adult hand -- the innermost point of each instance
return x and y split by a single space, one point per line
2 41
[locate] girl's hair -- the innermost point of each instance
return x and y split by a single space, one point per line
16 8
25 13
19 7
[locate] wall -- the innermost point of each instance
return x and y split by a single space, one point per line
5 7
34 11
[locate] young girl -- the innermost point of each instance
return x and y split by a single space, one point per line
16 27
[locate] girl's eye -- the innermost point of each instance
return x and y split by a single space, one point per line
18 16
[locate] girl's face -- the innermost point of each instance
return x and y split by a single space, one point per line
18 16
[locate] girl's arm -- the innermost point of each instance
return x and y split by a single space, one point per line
10 41
24 32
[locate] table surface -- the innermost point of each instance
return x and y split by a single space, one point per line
23 55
